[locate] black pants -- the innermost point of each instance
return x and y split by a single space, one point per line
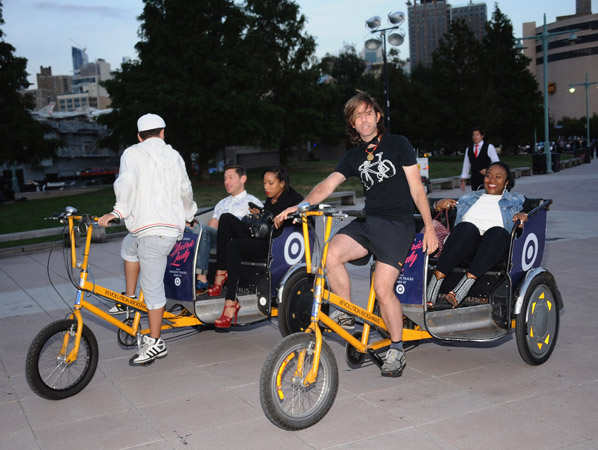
465 242
235 244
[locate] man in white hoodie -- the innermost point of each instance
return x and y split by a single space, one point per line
155 199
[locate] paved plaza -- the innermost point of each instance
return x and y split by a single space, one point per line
204 394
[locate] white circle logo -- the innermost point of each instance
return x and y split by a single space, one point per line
294 248
530 252
177 281
400 289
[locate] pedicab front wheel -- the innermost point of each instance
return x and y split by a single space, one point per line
285 399
537 325
47 371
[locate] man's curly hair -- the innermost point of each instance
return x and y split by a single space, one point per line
351 106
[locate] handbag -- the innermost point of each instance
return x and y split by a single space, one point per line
259 225
441 231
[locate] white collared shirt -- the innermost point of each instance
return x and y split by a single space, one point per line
237 205
467 165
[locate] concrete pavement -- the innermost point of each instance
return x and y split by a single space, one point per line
205 393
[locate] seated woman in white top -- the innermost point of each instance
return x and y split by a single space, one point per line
484 221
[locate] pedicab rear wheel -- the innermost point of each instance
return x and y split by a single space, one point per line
537 325
286 401
46 369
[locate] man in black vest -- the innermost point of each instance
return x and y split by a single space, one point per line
478 157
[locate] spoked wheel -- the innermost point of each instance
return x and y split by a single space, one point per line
537 325
352 356
124 338
294 311
48 373
286 401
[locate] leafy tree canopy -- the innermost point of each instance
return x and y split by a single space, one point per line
22 136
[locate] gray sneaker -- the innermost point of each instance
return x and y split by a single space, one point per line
151 349
343 319
394 363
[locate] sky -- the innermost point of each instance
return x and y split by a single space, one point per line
44 31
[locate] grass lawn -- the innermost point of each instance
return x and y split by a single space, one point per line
29 215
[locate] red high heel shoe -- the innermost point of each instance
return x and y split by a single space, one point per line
225 321
216 288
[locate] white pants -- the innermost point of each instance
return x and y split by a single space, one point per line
152 254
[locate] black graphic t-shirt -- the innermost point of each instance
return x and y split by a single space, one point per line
386 188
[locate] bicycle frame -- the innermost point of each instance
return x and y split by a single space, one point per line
321 294
174 321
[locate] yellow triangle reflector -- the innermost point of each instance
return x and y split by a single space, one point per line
540 345
531 332
549 303
533 307
547 339
541 295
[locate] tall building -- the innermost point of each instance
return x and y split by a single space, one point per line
86 90
429 20
79 58
474 15
567 63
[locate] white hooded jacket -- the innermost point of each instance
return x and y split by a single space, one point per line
153 192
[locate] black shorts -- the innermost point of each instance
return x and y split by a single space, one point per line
389 240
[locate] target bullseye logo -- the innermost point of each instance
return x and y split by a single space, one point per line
294 248
177 281
530 252
400 289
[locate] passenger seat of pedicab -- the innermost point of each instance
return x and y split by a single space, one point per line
530 203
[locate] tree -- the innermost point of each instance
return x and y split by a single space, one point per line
219 72
513 102
188 72
22 136
458 84
283 54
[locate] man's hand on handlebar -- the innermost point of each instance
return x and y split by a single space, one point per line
279 219
104 221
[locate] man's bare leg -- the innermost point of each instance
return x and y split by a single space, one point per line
131 276
385 278
342 249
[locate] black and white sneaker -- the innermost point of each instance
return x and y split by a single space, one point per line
151 349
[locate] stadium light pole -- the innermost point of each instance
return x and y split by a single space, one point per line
395 39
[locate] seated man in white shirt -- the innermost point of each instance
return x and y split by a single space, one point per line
237 203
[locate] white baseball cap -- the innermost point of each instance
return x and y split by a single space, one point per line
150 122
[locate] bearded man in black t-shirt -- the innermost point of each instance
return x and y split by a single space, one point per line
386 165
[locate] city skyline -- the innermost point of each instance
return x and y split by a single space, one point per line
44 31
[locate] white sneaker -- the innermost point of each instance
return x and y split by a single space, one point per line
151 349
343 319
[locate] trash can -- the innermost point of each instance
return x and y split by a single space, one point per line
538 163
556 161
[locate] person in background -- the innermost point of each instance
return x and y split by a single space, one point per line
478 157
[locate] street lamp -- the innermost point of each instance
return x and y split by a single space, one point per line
587 84
545 36
395 39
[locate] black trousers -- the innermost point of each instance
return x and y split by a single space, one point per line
235 244
465 242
